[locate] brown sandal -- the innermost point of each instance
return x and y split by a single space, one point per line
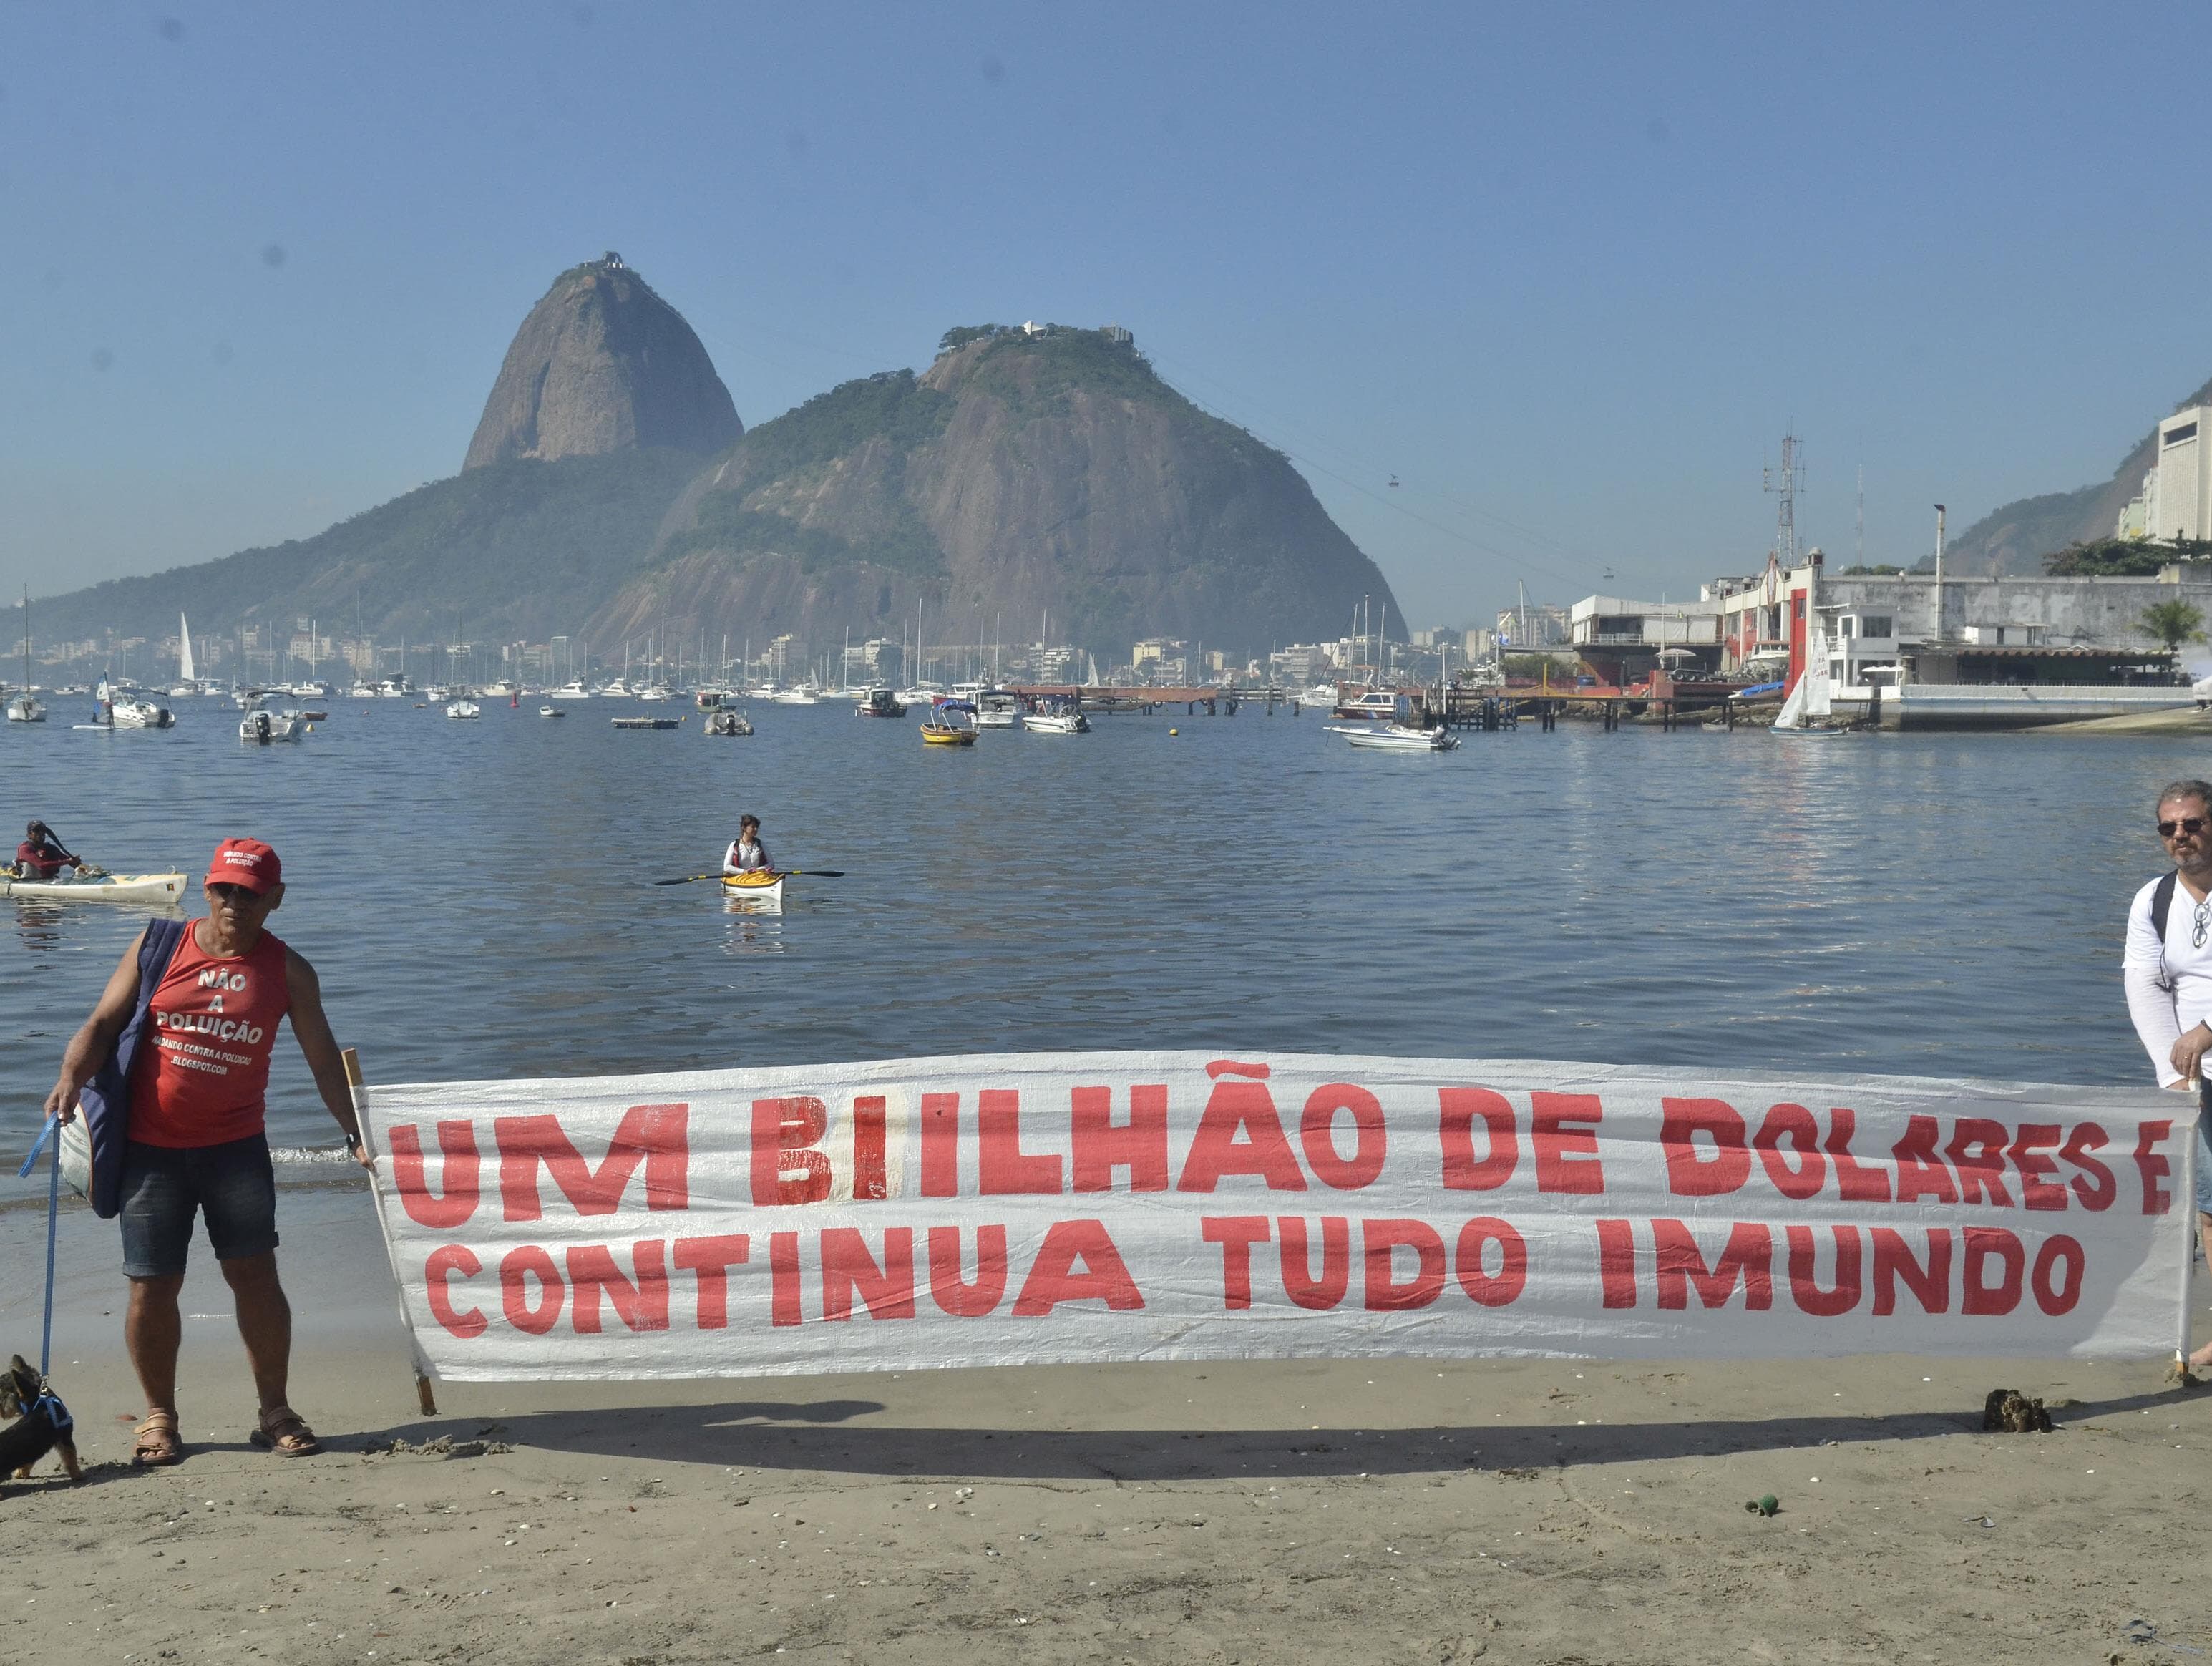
154 1442
285 1432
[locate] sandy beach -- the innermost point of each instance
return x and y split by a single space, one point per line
1347 1510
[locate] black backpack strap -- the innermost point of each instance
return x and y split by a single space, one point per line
2162 906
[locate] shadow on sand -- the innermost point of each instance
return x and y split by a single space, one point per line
807 1437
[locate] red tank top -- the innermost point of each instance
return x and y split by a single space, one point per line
201 1077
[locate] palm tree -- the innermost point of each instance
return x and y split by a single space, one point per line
2174 623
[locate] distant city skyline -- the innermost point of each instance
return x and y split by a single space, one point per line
1566 278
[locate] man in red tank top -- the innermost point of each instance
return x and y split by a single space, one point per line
198 1092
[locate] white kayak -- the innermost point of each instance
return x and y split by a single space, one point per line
751 890
107 888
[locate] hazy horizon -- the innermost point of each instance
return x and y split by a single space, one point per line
1568 277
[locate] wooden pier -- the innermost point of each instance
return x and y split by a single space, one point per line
1484 708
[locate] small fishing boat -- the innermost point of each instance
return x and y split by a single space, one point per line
1057 722
880 702
1398 737
103 888
461 710
1380 703
726 720
997 709
760 886
550 711
645 722
265 728
941 731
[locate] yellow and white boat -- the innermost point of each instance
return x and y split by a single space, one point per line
759 886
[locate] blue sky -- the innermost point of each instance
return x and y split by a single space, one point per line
1569 272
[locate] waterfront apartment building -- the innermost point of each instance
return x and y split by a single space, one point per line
2176 499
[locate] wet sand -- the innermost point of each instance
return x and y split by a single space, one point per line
1323 1511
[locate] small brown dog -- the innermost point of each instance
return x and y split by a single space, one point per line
42 1424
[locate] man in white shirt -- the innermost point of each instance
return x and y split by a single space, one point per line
2169 978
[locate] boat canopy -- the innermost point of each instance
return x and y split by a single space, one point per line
945 705
1756 687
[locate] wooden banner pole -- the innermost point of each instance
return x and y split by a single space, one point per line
357 1087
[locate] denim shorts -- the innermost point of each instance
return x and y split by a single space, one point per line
233 1184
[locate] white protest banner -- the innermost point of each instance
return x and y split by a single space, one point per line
1015 1208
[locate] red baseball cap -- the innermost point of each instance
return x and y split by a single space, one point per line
246 862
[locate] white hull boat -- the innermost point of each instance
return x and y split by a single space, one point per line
24 710
107 888
550 711
745 888
1057 723
1397 738
142 714
265 728
726 720
463 708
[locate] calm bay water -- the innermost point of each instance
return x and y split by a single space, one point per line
477 897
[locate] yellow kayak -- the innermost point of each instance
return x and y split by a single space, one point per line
760 886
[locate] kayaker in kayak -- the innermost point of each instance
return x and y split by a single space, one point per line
746 853
41 855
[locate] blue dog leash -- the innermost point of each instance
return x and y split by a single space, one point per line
46 1136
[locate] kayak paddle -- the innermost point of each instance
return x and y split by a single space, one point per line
805 873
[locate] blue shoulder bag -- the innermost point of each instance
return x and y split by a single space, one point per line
105 1104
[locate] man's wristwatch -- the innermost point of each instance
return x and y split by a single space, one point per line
353 1143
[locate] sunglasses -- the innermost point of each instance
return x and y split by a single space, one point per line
237 895
2192 825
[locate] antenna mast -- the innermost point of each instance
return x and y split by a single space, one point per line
1860 556
1785 482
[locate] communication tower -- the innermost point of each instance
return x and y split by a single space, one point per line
1785 483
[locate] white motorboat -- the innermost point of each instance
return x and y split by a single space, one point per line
1057 722
616 689
1397 738
997 709
726 720
503 690
1381 704
550 711
795 697
361 691
134 711
1320 694
463 708
879 701
397 687
313 689
102 888
264 729
921 694
572 689
656 692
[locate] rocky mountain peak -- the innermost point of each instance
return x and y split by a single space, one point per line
603 364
